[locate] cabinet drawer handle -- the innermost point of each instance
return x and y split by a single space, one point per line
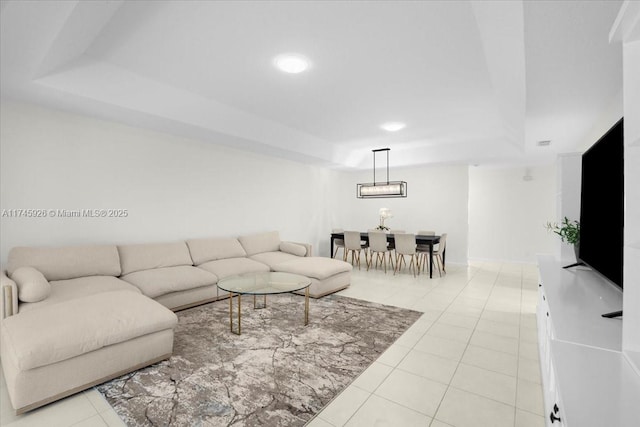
539 285
555 408
543 298
553 418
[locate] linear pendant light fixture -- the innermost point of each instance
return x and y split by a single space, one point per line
384 189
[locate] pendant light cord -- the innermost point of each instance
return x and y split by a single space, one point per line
374 163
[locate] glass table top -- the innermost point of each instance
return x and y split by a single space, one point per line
264 283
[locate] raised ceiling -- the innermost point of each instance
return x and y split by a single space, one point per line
475 82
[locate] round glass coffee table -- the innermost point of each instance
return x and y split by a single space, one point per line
263 284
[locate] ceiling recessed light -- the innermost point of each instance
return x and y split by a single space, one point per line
291 63
544 143
392 126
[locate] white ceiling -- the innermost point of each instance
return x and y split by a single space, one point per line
475 82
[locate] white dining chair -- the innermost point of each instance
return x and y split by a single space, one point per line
392 244
378 247
353 244
423 250
338 244
405 245
438 253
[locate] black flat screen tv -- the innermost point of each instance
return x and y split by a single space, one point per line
602 205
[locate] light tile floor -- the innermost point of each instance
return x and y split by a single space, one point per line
470 360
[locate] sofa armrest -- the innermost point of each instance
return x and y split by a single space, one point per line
306 245
9 303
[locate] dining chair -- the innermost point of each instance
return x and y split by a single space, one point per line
392 244
339 243
423 250
405 246
378 246
439 252
353 245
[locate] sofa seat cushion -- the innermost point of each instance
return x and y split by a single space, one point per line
160 281
273 258
315 267
55 333
233 266
65 290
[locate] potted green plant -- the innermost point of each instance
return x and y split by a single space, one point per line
569 232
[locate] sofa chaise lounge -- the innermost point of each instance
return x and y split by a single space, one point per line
75 317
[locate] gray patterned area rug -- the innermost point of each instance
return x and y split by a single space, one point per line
277 373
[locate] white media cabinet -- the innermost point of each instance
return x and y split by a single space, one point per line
586 378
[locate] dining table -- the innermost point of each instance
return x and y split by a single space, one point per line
420 240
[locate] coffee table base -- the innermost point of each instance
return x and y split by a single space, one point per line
238 330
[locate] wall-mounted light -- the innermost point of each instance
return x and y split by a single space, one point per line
381 189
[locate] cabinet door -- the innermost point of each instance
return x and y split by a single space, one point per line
545 327
554 415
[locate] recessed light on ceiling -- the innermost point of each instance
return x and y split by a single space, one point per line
544 143
392 126
291 63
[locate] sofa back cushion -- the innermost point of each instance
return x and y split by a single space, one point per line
67 262
154 255
205 250
263 242
293 248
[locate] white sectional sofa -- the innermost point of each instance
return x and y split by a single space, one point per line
72 323
75 317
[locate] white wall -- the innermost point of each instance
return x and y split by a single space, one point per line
507 214
173 188
176 188
569 177
631 319
605 121
437 199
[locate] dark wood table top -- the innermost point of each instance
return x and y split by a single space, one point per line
419 238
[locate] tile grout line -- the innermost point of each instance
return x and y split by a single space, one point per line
467 346
459 361
442 312
396 368
515 405
373 392
400 361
